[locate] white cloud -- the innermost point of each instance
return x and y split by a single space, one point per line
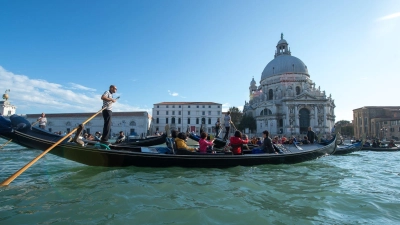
173 93
81 87
36 96
391 16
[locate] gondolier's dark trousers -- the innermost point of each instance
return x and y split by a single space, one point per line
226 133
107 114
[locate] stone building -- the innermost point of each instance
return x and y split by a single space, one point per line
181 115
381 122
287 101
132 123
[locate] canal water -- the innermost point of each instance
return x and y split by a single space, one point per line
358 188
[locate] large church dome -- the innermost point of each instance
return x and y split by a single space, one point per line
283 62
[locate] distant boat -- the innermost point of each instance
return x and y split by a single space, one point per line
19 130
346 149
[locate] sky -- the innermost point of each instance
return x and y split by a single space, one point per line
60 56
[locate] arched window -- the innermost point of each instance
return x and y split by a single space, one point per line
265 112
203 120
132 123
297 90
173 120
270 94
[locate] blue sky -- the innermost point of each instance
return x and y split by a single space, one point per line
60 56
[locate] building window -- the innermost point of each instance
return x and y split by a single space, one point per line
209 106
157 120
218 107
158 106
188 112
179 106
158 112
166 120
203 113
166 112
297 90
204 106
209 113
179 112
173 112
173 120
132 123
189 106
167 106
203 120
197 106
209 120
173 106
179 120
197 120
218 113
188 121
270 94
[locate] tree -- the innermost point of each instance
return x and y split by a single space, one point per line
342 123
248 121
236 115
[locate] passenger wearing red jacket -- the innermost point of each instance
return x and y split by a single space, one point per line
236 143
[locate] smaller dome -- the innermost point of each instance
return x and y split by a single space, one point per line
282 41
253 82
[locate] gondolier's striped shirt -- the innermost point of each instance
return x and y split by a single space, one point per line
108 104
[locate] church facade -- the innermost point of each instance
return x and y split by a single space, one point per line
286 101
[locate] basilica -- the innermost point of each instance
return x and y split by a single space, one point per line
287 101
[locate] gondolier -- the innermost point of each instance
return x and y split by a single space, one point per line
227 122
108 101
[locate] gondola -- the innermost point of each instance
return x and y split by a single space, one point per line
19 130
346 149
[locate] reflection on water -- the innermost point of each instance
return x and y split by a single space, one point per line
362 187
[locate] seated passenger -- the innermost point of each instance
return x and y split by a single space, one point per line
181 143
120 138
374 144
391 144
266 146
259 141
305 141
204 144
236 143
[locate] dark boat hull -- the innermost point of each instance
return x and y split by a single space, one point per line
346 149
149 157
145 142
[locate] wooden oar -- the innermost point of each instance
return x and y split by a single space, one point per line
5 144
19 172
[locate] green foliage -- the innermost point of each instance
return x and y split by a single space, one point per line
236 115
348 130
248 121
342 122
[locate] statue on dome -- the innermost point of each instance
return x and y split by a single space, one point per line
5 95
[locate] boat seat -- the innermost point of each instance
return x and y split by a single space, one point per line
171 144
